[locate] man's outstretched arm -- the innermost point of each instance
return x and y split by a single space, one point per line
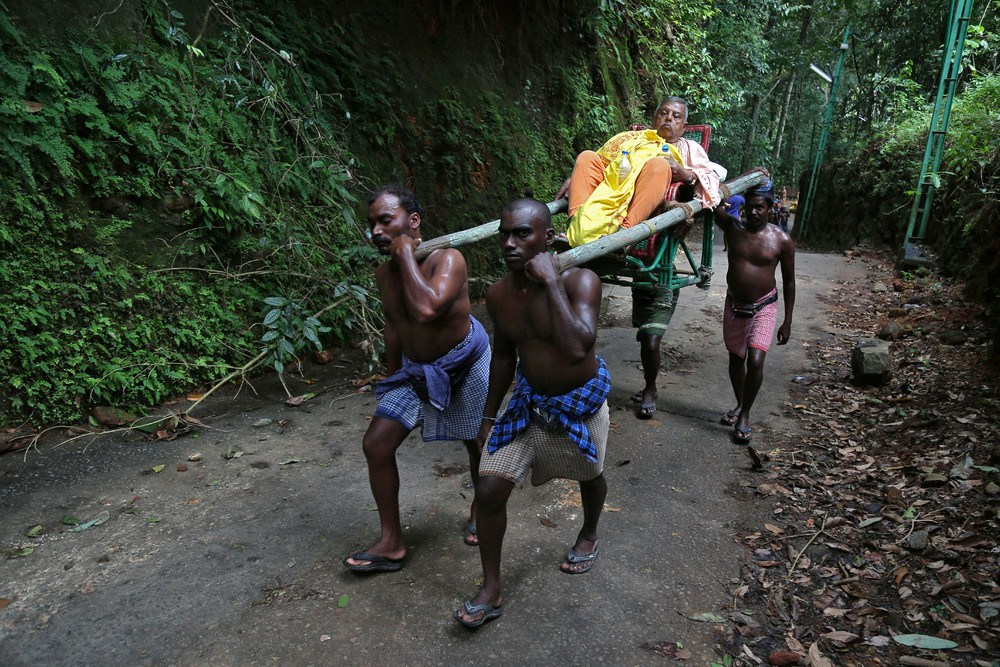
787 262
723 219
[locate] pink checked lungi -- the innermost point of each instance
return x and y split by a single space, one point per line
741 333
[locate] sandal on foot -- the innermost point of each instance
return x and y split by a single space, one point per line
573 559
375 563
647 410
742 436
730 418
637 396
470 609
472 534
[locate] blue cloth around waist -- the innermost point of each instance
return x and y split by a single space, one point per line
571 408
444 372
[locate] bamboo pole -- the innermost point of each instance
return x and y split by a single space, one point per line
626 237
467 236
605 244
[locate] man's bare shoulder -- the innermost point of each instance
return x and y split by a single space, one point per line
444 257
580 276
582 283
780 235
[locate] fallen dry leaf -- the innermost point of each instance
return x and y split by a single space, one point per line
816 657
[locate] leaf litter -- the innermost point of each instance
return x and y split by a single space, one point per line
884 541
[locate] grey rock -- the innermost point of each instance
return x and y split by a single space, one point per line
880 287
918 540
890 330
112 417
992 489
871 362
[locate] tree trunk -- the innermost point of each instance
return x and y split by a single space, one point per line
781 121
752 134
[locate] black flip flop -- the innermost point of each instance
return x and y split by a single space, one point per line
573 559
637 396
470 609
730 418
375 563
472 530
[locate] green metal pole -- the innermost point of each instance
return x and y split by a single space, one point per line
951 67
831 103
812 144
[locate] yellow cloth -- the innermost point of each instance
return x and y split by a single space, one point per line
605 209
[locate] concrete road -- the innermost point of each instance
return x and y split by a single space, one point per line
238 561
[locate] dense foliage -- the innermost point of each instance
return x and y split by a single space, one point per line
154 193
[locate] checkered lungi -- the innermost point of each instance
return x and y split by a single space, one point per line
741 333
548 452
409 403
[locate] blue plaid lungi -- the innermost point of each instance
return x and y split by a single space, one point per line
570 409
405 397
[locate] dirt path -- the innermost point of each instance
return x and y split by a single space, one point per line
237 561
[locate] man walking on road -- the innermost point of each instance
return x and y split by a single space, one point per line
556 423
438 364
756 249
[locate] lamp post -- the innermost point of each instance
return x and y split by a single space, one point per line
807 206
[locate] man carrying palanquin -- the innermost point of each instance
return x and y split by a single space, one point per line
556 423
438 364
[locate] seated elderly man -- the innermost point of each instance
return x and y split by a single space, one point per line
600 201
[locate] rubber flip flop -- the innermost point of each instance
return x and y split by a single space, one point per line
573 559
742 436
647 410
729 419
474 532
375 563
637 396
470 609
